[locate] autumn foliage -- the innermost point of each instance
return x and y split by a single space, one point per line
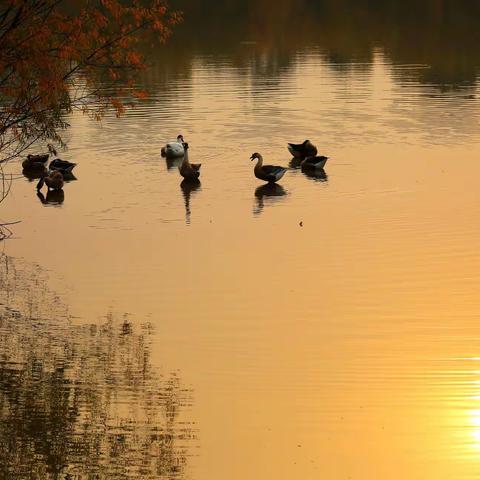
57 56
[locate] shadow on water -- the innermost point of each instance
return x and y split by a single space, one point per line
268 193
82 401
188 187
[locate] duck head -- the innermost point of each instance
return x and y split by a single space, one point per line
180 139
254 156
51 149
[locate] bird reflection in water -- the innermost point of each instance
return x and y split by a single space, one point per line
53 197
270 191
318 174
34 173
295 162
173 162
188 187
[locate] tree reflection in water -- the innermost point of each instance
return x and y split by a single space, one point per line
82 402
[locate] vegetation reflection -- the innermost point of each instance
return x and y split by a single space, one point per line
82 401
440 33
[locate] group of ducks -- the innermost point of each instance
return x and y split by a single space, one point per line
189 171
54 176
305 155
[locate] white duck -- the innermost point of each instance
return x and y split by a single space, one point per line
174 149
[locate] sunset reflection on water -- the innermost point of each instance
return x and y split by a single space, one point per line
328 326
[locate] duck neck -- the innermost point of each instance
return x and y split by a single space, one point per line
185 158
259 161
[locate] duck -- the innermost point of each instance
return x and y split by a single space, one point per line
189 171
53 181
302 150
314 163
35 161
269 173
63 166
174 149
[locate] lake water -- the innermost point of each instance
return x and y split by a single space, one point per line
326 328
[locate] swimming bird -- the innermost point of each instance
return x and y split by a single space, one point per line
35 161
269 173
38 161
189 171
174 149
314 163
53 181
62 166
302 150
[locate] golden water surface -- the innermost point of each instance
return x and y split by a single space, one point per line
327 328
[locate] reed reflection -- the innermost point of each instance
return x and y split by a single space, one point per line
188 188
83 401
441 27
269 193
